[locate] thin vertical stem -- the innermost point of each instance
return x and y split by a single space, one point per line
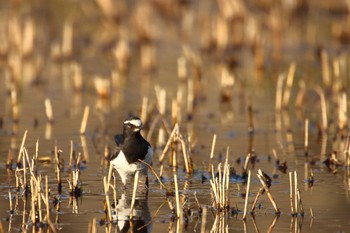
246 197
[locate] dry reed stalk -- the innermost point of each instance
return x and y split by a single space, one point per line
347 152
102 87
58 169
279 92
136 181
71 153
227 82
10 202
144 109
174 111
204 219
190 98
342 110
77 75
173 133
182 68
48 110
9 160
24 164
289 83
85 148
261 190
245 166
84 120
47 197
115 201
107 203
222 33
295 192
301 207
275 155
250 117
186 155
67 39
306 138
156 175
220 187
320 92
148 55
20 154
212 152
269 195
325 68
246 197
161 99
291 194
121 53
28 37
177 195
299 100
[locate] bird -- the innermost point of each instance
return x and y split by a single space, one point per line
130 148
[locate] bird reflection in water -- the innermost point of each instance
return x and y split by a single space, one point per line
141 220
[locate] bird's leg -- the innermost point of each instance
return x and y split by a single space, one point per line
147 186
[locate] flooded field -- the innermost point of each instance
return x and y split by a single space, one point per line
255 93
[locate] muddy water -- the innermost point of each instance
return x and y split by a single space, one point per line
326 203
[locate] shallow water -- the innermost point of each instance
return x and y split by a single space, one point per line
94 38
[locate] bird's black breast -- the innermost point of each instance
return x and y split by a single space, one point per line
135 148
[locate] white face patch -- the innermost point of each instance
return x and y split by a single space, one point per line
135 122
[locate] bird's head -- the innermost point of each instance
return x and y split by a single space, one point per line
132 124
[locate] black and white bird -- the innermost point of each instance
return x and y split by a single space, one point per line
131 147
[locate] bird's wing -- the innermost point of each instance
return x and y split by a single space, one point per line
119 139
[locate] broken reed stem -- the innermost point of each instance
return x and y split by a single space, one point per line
47 197
256 199
10 202
269 195
71 154
190 98
246 197
156 175
48 110
161 99
21 148
279 92
204 219
212 152
250 117
107 203
173 133
295 192
246 162
306 139
291 194
178 210
186 156
325 68
84 120
58 169
136 181
323 108
347 152
300 203
144 109
289 83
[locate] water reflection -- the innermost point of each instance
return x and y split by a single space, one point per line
141 220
